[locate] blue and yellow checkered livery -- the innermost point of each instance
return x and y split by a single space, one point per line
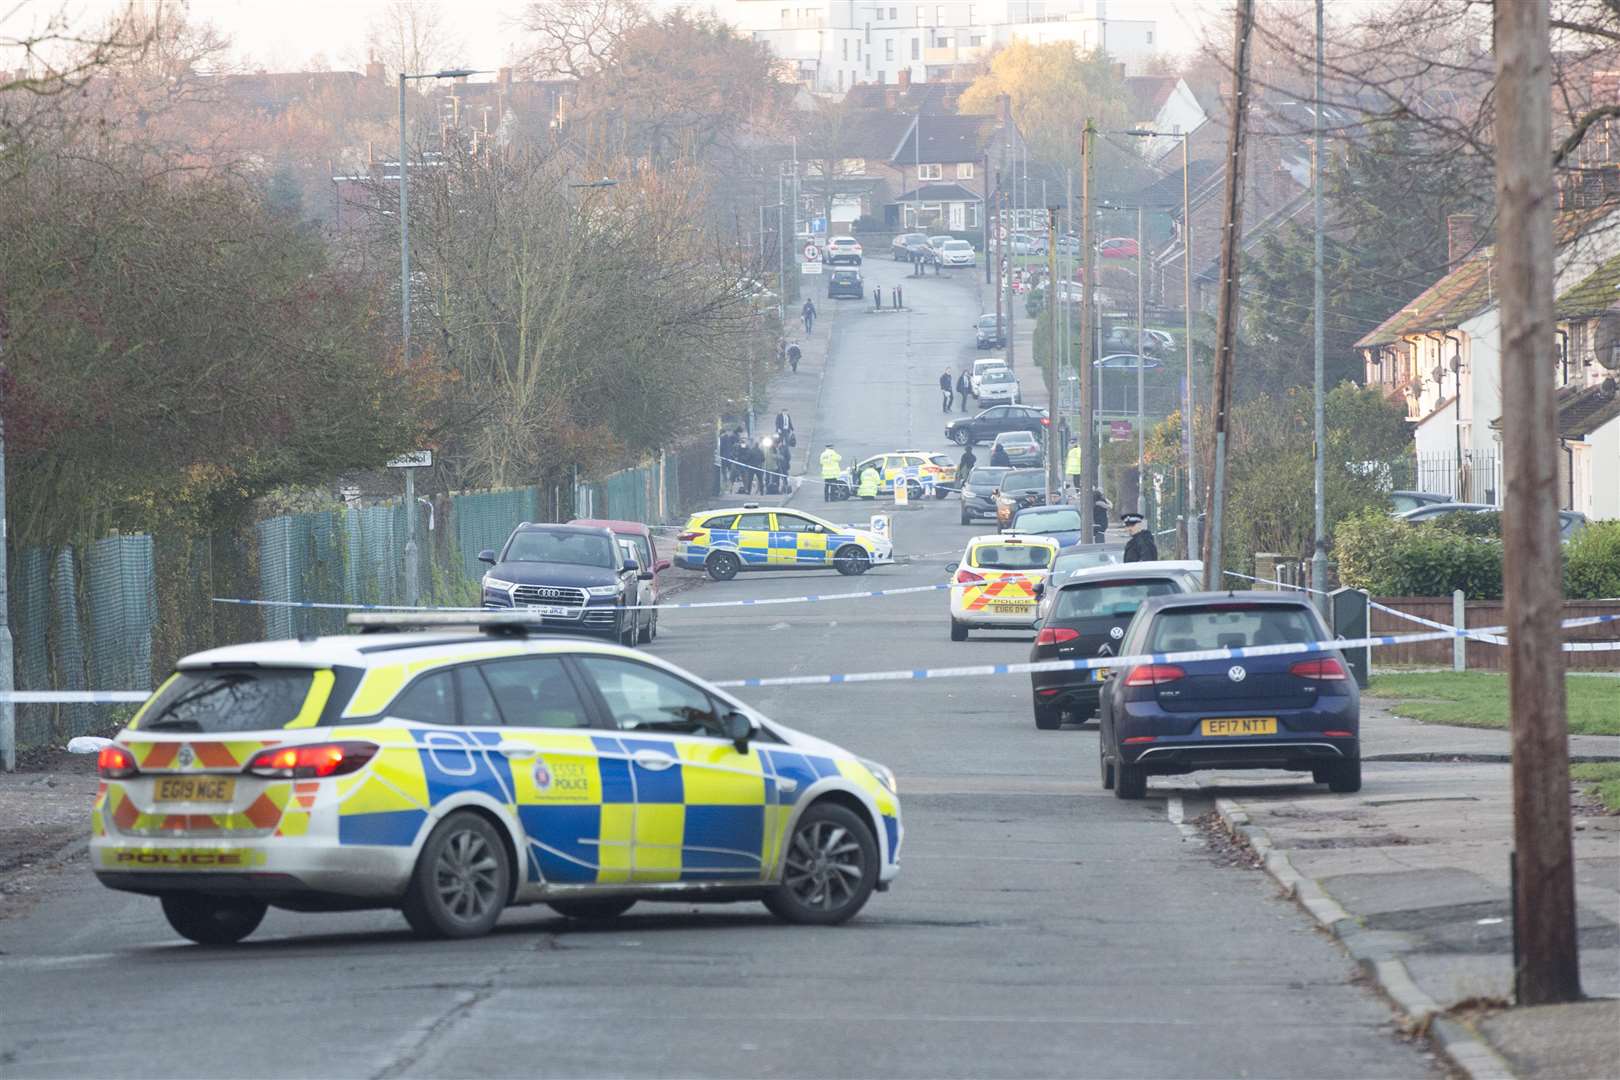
777 539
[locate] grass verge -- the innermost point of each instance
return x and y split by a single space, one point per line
1480 699
1601 779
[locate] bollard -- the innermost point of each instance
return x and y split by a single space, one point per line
1459 619
897 298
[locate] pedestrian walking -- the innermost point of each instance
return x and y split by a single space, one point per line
808 313
946 384
963 385
784 427
784 465
1100 506
728 455
794 355
916 263
832 469
1141 546
964 467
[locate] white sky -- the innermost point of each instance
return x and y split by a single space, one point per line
288 35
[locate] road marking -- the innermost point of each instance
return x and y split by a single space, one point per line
1176 812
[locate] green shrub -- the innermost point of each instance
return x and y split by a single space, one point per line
1391 558
1592 562
1486 523
1363 546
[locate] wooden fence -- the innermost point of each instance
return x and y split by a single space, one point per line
1481 655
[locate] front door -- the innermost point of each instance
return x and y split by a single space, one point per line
958 216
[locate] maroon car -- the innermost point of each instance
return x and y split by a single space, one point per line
641 538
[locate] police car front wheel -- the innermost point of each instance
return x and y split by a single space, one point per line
461 881
852 561
830 869
722 566
213 920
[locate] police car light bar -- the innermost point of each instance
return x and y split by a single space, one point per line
489 621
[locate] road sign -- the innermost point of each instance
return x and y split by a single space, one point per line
811 253
810 268
818 225
416 459
1119 431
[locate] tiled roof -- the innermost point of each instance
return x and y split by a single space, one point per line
946 139
940 193
874 133
1581 412
1598 292
1461 294
1149 93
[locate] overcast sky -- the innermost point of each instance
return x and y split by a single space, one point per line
288 35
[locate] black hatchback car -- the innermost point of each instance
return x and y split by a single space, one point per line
846 283
1085 614
575 576
985 426
1296 710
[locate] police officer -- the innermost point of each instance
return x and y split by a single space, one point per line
1140 547
870 482
1071 465
832 468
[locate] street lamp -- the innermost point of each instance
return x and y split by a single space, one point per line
411 591
1193 539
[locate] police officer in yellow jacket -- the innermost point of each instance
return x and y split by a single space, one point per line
870 481
832 468
1071 465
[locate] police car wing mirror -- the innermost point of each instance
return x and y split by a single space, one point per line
950 568
738 728
487 556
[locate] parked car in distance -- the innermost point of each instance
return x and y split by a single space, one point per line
978 492
904 246
1022 448
1299 711
985 426
847 284
843 249
1117 247
996 384
1061 523
957 253
1402 501
989 333
1570 522
1127 362
980 366
1026 244
573 576
1153 341
1085 557
644 547
1018 489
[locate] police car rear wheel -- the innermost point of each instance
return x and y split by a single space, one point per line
462 880
958 631
722 566
830 869
602 908
213 920
852 561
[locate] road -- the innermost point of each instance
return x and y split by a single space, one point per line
1039 926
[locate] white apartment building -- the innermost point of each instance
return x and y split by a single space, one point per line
835 44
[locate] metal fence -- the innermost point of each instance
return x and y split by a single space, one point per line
117 612
1479 480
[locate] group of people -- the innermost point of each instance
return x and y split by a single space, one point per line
952 389
759 465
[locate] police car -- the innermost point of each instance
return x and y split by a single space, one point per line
919 468
753 537
454 772
998 583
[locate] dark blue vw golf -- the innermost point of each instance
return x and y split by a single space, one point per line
1293 711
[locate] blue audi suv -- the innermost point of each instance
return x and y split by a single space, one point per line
575 577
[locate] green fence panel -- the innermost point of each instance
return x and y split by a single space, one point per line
120 591
484 520
67 647
30 625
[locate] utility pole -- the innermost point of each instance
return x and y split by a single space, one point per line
1001 228
1088 424
412 591
1188 422
1544 870
1319 555
1141 332
8 673
1054 475
1226 314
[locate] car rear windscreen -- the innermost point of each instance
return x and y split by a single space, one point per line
229 699
1012 557
1023 481
579 549
987 476
1230 626
1085 560
1108 598
1060 519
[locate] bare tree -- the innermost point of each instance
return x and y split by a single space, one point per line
413 36
51 57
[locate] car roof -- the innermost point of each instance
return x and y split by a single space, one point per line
1019 538
373 650
574 527
1044 508
1019 435
1238 596
1124 571
635 528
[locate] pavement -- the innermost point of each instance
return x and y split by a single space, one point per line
1039 927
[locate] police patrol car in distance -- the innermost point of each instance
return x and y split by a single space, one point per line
456 771
725 542
998 583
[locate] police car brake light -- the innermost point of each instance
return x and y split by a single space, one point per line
115 763
311 760
967 577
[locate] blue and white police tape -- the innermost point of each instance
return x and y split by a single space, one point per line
1486 638
76 697
1093 663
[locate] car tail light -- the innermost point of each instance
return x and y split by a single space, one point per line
115 763
1140 739
968 577
1048 691
311 760
1055 635
1154 674
1323 668
1339 734
686 537
1045 422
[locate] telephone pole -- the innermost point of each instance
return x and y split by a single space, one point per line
1141 328
1226 314
1548 968
1054 474
1088 421
1319 555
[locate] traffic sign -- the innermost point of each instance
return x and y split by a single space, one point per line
416 459
810 268
811 253
1119 431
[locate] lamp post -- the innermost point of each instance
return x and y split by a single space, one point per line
411 591
1194 541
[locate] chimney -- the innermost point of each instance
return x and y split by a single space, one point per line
1460 238
505 77
905 78
374 69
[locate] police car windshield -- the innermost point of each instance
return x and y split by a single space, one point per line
1230 626
1108 598
578 549
1012 556
1055 519
236 699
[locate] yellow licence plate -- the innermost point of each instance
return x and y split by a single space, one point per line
196 788
1241 725
1012 607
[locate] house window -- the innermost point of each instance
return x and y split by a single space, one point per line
844 43
916 48
964 170
888 49
973 215
787 16
939 15
930 172
891 13
855 166
840 78
975 39
1150 37
869 63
